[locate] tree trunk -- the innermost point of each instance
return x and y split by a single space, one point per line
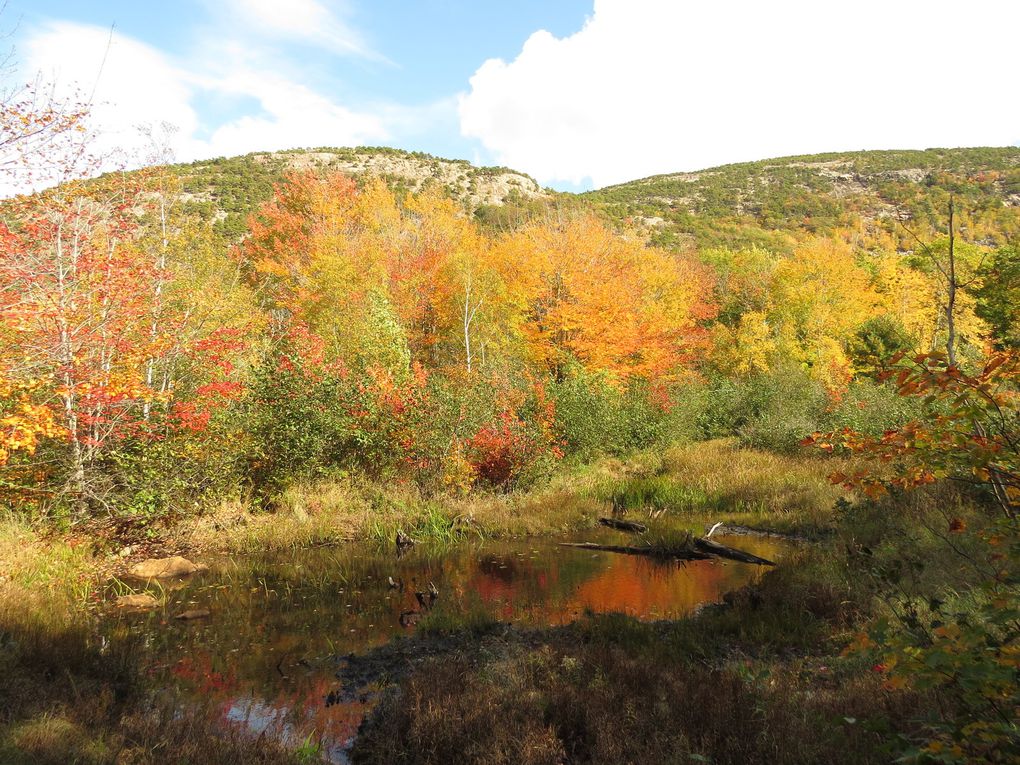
952 287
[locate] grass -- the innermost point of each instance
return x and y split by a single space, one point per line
720 481
695 484
465 616
597 704
30 562
338 511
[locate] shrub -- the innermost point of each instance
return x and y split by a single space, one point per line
774 410
595 417
871 408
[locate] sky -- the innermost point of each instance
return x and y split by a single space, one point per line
578 93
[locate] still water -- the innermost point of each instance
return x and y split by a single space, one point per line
266 656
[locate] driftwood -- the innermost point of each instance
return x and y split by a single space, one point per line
706 545
700 549
632 526
404 543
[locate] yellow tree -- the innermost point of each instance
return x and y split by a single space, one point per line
821 296
319 250
585 294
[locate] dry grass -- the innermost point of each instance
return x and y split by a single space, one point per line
716 480
749 479
721 481
58 736
30 563
333 512
233 527
612 704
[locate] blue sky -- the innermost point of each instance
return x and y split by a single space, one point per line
579 93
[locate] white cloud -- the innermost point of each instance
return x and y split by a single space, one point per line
294 115
654 86
305 20
134 84
128 82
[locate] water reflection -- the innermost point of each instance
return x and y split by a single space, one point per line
278 628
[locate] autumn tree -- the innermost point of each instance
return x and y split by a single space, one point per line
71 302
580 292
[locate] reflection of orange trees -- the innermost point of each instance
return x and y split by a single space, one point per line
643 588
198 673
630 584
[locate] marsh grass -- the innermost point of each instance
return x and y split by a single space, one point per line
721 481
334 512
68 696
31 562
694 484
597 704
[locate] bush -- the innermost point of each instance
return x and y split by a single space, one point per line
877 340
774 410
594 417
871 408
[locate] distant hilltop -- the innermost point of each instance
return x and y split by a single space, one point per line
234 187
763 202
769 203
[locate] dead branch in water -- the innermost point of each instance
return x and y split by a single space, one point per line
697 549
632 526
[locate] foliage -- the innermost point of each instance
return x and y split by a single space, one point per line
960 642
998 298
253 323
773 410
970 432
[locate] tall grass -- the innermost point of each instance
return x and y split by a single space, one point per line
721 481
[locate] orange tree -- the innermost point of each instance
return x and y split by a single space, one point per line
960 643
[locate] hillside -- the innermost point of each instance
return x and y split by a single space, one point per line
231 188
768 201
771 202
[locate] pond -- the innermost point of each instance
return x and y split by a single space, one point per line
279 627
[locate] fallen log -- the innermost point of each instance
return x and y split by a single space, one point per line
700 549
706 545
632 526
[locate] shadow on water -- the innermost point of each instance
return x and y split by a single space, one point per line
279 627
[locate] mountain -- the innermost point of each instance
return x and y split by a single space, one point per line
232 188
774 201
771 203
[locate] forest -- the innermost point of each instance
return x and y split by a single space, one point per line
305 356
150 362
